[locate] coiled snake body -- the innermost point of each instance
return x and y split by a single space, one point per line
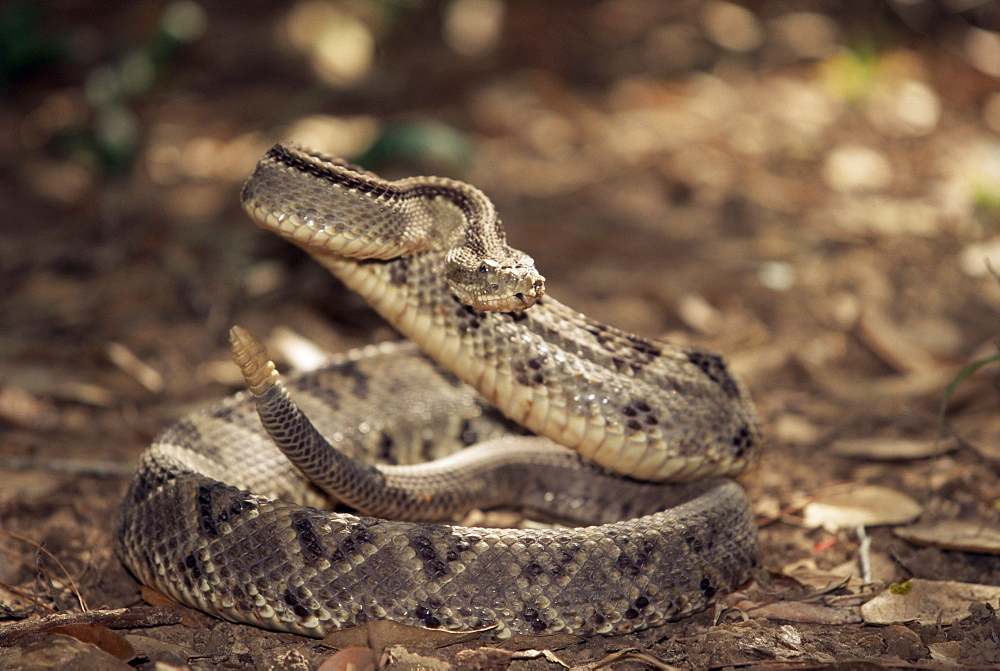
224 513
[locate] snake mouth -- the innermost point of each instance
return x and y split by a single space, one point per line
492 287
512 302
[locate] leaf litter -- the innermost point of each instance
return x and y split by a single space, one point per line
664 183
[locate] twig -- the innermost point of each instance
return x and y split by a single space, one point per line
40 548
627 655
121 618
864 553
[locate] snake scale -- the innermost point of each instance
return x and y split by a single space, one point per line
231 510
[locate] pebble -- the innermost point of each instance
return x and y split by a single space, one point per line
472 27
982 48
907 108
979 258
340 47
731 26
674 47
777 275
805 35
853 168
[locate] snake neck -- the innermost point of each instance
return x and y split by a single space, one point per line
327 205
638 407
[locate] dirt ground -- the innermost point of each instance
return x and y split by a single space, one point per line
812 191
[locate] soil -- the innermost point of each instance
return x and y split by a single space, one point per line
815 200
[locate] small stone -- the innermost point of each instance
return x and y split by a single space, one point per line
731 26
982 48
795 429
472 27
979 259
676 46
806 35
905 108
777 275
852 168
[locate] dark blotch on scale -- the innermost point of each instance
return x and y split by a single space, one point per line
223 412
426 617
192 564
533 570
386 451
714 367
534 620
468 318
315 384
743 440
184 434
352 544
399 271
296 605
312 549
529 373
644 345
429 556
707 588
639 413
350 371
206 516
467 434
242 502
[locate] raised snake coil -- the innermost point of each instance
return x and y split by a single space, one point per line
218 517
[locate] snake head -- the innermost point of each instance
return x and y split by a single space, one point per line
509 283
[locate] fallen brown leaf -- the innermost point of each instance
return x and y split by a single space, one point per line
384 633
892 449
964 535
867 505
353 658
799 611
99 636
938 602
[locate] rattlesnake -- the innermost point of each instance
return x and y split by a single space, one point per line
219 518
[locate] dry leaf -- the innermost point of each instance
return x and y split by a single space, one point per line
798 611
627 655
939 602
190 618
141 372
98 636
21 408
807 573
945 652
555 641
892 344
868 505
892 449
85 393
399 657
964 535
383 633
353 658
300 352
981 431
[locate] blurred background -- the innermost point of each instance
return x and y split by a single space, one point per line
810 187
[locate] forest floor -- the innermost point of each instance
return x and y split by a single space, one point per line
814 195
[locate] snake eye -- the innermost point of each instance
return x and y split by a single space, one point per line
483 268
